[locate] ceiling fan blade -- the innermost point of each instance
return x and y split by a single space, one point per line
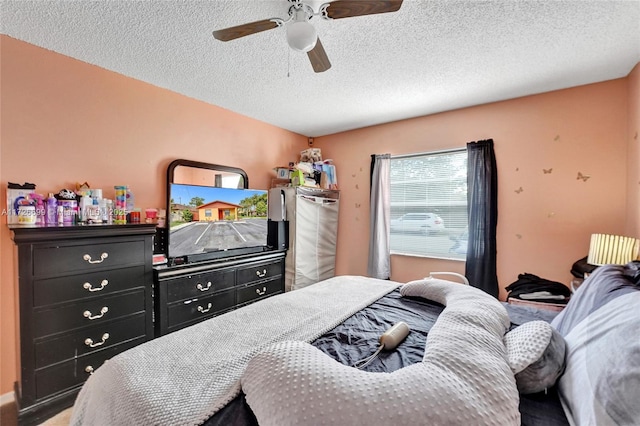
238 31
318 57
350 8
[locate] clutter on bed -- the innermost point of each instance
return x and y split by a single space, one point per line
599 384
464 377
389 340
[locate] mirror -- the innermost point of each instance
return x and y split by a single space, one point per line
212 213
205 174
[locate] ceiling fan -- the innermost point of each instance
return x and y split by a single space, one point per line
301 35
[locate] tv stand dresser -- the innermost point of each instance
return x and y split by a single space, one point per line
190 293
85 295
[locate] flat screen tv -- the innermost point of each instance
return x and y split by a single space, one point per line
207 222
212 213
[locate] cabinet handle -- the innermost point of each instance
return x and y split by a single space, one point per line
264 290
89 342
87 314
202 288
103 256
203 310
89 287
261 274
89 369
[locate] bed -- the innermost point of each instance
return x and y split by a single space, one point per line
294 368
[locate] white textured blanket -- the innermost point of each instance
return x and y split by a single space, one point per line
464 379
187 376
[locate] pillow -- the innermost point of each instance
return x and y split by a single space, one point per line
601 384
464 377
601 287
536 354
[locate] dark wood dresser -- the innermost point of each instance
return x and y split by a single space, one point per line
188 294
85 294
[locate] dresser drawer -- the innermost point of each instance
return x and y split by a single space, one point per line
74 372
201 308
61 260
199 285
87 312
89 339
256 291
258 272
95 284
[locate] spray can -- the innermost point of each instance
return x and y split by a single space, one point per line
109 210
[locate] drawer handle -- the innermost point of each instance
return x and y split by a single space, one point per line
89 369
202 288
89 342
103 256
261 274
87 314
89 287
264 290
203 310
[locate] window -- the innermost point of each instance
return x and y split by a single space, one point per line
429 204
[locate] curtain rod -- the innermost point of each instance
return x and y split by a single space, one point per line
417 154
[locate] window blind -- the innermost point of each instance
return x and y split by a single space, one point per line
429 204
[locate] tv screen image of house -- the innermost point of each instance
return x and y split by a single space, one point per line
204 219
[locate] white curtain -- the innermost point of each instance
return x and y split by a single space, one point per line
379 265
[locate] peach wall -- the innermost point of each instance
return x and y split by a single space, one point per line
65 121
544 228
633 190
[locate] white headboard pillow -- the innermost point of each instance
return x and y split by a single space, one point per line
464 378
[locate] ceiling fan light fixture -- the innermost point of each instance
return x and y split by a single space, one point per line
301 36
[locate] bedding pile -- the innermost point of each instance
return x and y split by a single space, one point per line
187 376
464 378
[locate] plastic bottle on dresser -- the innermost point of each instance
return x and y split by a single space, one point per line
129 203
85 202
52 210
40 212
109 211
104 212
38 203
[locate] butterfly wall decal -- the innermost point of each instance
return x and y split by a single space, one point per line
547 171
519 190
583 177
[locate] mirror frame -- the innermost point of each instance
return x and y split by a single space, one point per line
206 166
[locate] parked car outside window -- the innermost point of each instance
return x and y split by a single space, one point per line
424 223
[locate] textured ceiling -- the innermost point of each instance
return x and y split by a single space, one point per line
430 56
